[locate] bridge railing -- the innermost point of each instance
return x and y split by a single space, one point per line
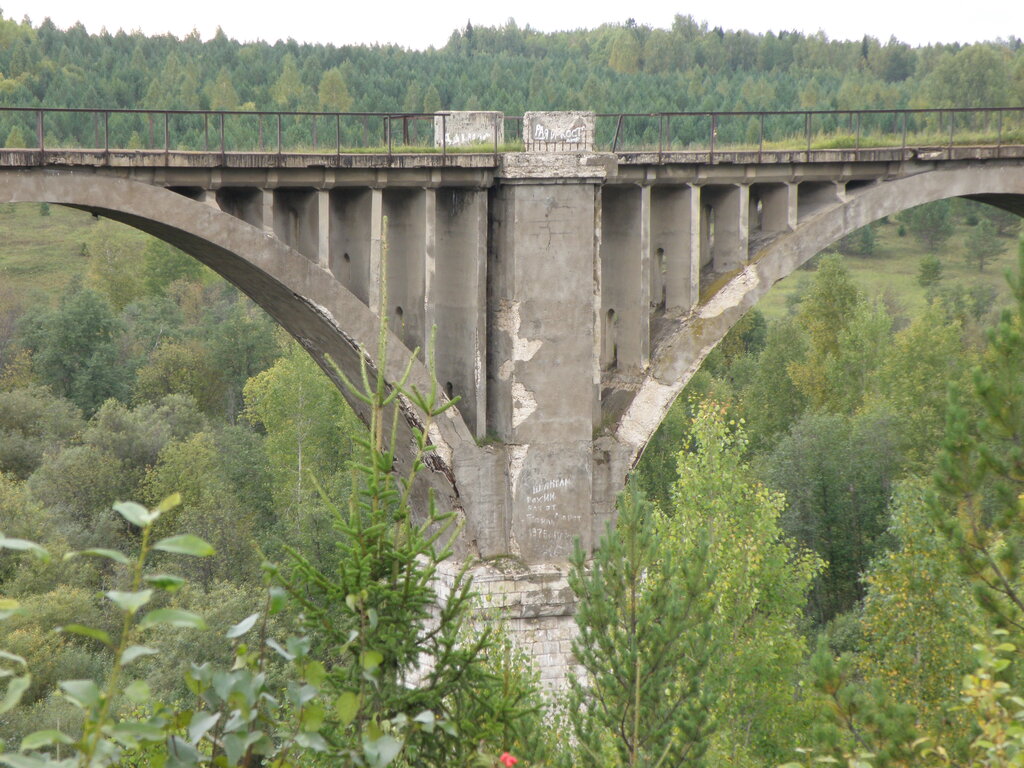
709 133
805 130
115 130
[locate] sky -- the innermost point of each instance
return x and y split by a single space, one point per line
420 24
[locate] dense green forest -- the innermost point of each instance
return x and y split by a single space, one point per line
814 487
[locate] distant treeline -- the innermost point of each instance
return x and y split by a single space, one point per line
614 68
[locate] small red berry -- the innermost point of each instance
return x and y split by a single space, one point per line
507 760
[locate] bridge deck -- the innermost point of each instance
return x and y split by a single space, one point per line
151 158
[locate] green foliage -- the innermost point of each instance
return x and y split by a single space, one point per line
979 480
645 645
33 422
982 244
918 616
930 271
309 429
931 224
836 473
756 595
75 348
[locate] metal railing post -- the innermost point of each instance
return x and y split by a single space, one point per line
444 138
167 132
222 140
856 142
279 133
39 131
661 134
807 120
337 132
999 135
760 139
106 133
714 133
903 146
952 119
314 133
206 131
618 128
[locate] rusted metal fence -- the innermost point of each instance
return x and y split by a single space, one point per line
709 134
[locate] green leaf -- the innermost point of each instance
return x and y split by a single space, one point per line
24 761
382 751
138 691
169 503
346 706
280 650
79 629
15 690
185 544
173 617
130 602
278 600
200 724
315 673
136 514
312 718
83 693
23 545
242 627
13 657
165 581
110 554
45 738
371 660
313 741
131 733
132 652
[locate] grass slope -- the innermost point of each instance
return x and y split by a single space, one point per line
891 272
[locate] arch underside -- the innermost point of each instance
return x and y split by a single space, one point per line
330 322
684 341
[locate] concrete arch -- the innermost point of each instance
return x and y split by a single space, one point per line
323 315
683 345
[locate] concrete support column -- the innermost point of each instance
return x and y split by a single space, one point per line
267 211
728 233
540 347
323 219
625 277
675 245
350 240
376 247
407 238
815 196
778 207
295 220
456 297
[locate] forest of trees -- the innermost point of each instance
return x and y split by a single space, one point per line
818 533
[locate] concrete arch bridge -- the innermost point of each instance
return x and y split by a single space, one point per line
574 291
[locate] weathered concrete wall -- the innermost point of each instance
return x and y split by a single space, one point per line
559 131
540 360
461 129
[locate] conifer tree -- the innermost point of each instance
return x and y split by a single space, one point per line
644 645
